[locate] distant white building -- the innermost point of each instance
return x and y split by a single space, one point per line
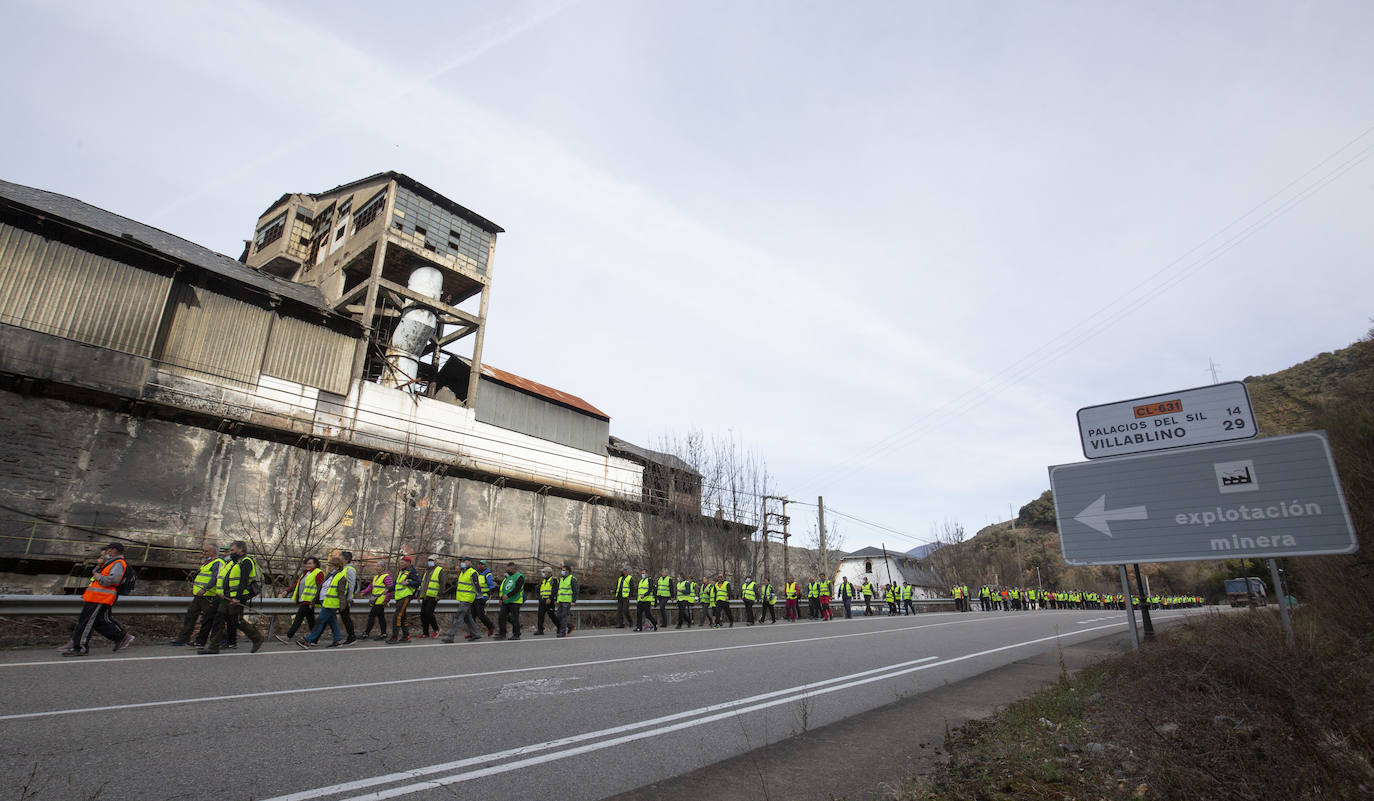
894 568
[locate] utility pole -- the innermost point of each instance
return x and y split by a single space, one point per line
1212 366
769 518
820 514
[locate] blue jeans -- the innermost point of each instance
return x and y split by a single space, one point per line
327 616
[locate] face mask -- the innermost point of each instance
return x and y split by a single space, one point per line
463 565
562 572
430 563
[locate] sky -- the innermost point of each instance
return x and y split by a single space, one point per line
890 247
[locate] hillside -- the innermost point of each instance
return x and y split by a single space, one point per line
1025 551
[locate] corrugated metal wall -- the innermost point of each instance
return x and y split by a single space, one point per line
213 335
504 407
55 288
309 354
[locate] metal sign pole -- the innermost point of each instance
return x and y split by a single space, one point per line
1130 612
1144 606
1283 602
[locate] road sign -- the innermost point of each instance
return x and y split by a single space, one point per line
1270 497
1216 413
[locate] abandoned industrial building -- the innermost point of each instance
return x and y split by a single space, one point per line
326 389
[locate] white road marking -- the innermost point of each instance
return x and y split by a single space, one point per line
536 688
733 708
459 676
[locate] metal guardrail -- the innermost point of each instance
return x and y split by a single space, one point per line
17 605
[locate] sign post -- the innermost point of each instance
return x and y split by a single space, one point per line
1130 608
1283 602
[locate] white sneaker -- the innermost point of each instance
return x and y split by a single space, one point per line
124 643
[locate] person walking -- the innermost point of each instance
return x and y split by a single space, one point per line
241 583
791 596
823 596
204 591
332 594
908 590
624 586
512 595
846 596
723 601
867 590
381 588
766 601
567 596
707 595
306 593
644 607
663 594
345 609
465 594
813 599
97 602
429 604
748 592
406 584
686 598
486 587
547 590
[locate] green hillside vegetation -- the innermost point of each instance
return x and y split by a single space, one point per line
1025 551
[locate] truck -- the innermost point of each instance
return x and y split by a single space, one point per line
1238 595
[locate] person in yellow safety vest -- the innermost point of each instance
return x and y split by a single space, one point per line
306 593
332 595
846 592
567 596
748 592
663 594
546 603
97 602
723 609
465 593
486 587
624 588
791 595
866 589
823 598
767 600
644 598
907 606
708 599
813 599
429 603
203 594
891 594
407 582
686 597
984 597
240 582
382 584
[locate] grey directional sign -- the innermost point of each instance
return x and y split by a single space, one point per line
1259 498
1200 416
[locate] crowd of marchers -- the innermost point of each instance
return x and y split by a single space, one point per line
325 595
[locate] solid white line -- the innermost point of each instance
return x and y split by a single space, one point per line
416 773
789 695
458 676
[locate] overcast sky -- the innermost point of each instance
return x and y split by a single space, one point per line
891 246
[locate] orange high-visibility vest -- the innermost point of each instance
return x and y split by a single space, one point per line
97 593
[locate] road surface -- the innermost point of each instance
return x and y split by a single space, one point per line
582 718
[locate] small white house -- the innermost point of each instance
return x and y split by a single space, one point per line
894 568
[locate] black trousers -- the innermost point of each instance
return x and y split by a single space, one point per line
402 623
508 613
749 611
546 609
376 613
684 613
723 608
429 620
868 605
305 613
848 606
622 612
813 607
767 609
202 606
643 610
347 619
479 614
229 621
662 603
95 617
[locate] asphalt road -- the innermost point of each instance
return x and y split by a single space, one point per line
585 717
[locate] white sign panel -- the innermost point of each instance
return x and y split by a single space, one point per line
1216 413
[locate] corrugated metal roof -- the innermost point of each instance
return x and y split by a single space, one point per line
666 459
536 388
136 234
